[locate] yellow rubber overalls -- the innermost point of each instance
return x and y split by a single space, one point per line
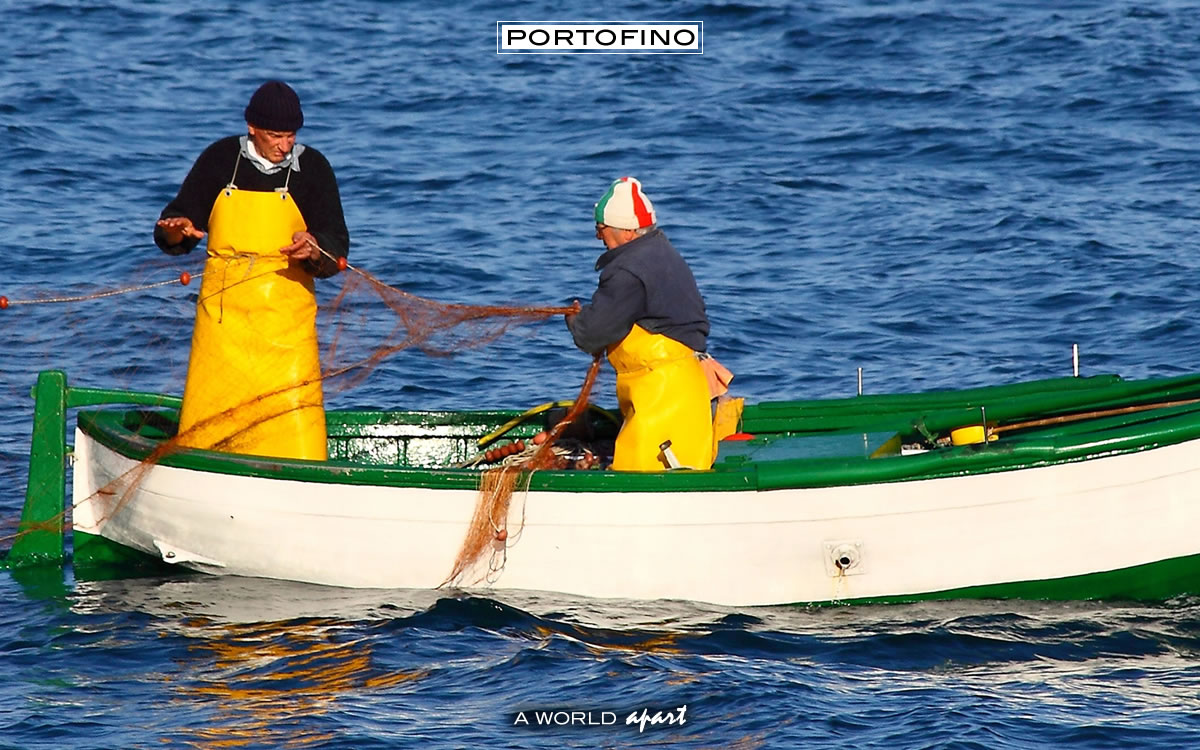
663 394
253 382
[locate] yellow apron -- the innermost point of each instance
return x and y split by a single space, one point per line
254 375
663 394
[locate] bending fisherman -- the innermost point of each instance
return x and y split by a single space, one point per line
648 315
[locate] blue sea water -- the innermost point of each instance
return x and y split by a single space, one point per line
944 194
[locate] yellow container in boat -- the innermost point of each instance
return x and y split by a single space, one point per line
968 435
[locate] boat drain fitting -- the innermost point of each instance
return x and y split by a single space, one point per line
844 558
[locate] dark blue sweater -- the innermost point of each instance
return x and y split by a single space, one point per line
314 189
645 281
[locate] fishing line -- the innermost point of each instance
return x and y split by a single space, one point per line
184 278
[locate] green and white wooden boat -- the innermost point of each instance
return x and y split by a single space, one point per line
1089 488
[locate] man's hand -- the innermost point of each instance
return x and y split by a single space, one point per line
304 247
177 228
570 317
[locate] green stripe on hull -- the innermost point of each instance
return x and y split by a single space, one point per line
1155 582
98 559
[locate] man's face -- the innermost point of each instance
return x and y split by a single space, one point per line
609 235
274 145
613 237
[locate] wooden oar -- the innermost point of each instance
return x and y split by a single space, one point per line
1089 415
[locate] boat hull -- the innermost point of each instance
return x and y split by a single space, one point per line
1115 525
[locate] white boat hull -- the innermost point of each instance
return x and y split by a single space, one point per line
734 548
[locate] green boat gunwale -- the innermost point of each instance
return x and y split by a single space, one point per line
106 428
907 415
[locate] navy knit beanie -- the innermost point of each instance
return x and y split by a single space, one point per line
275 106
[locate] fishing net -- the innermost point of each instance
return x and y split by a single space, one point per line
397 321
438 329
488 531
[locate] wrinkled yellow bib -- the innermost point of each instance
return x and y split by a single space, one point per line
663 395
254 374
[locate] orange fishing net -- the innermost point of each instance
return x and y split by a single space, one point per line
436 328
489 524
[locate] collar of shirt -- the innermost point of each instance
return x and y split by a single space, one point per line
265 165
608 256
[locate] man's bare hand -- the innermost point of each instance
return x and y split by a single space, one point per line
304 247
179 227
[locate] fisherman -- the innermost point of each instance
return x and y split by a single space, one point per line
648 315
273 216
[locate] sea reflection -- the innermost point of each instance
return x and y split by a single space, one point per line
277 664
266 682
260 662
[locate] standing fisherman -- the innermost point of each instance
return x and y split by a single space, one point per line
254 374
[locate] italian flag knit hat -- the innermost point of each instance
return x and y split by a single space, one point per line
625 206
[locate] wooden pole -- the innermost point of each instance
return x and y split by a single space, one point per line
1089 415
